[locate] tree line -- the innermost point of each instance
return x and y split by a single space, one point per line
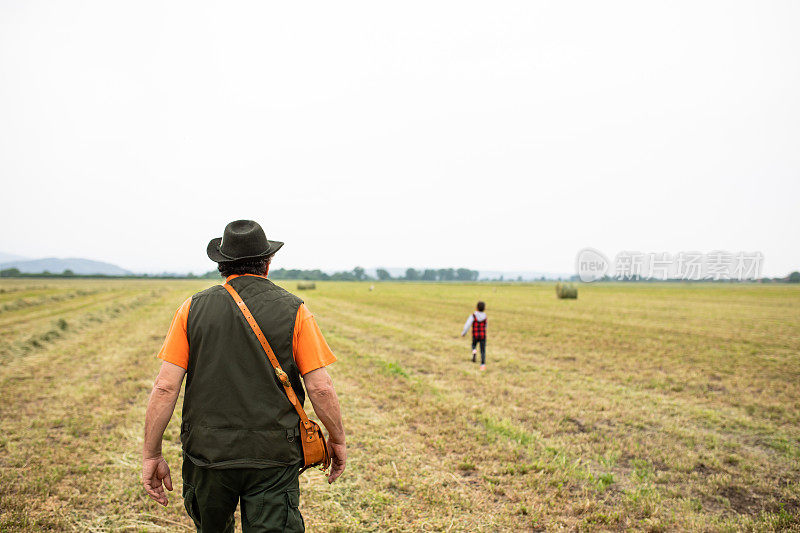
16 273
359 274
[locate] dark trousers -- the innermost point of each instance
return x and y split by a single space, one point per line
269 498
483 348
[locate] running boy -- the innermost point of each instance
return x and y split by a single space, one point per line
478 322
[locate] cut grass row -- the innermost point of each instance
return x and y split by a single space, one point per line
560 431
578 423
751 460
69 421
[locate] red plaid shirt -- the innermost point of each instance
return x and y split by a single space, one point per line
478 328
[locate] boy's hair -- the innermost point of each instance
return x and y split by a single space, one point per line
481 306
255 266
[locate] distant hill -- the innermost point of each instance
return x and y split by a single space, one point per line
56 266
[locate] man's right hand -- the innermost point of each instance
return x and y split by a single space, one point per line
338 453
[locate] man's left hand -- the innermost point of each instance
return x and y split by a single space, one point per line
154 471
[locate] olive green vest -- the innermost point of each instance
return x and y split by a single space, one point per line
235 411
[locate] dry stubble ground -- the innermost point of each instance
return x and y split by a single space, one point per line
654 407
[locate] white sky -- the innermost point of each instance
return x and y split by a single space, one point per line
501 136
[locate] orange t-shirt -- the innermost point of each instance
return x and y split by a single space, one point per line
308 345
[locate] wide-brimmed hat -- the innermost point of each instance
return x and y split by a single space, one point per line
242 239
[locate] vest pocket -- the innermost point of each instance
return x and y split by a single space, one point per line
294 520
242 447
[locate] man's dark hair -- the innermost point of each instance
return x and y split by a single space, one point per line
255 266
481 306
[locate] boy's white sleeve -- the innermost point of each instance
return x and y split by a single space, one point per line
467 325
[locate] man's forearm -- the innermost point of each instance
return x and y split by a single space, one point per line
326 406
159 411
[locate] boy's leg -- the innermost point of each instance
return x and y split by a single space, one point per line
474 352
483 351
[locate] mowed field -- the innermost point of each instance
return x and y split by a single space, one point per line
638 406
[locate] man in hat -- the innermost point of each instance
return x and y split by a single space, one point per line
239 430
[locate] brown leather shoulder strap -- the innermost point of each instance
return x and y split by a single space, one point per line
282 377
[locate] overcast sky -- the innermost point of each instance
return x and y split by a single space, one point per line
493 135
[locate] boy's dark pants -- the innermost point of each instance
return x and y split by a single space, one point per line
269 498
483 348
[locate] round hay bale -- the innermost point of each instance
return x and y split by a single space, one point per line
566 291
306 285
